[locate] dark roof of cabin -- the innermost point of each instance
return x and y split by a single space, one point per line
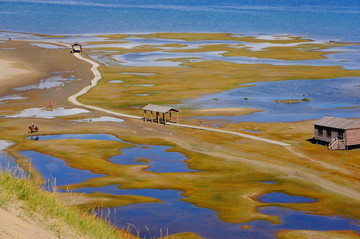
338 123
159 108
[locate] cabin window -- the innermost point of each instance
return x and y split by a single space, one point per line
341 135
328 133
320 131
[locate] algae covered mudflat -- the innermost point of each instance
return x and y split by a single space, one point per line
201 71
221 180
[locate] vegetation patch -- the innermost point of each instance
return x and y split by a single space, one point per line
61 218
292 101
304 234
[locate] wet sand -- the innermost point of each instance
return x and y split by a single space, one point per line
29 64
9 70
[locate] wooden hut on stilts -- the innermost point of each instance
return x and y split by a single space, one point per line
160 114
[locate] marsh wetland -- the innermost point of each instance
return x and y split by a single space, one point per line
160 181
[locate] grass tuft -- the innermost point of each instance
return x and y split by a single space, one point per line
58 217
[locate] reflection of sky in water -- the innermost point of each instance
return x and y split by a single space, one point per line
45 83
11 97
48 46
101 119
297 220
7 162
348 60
176 216
47 112
160 160
283 198
81 136
326 96
159 58
136 73
54 168
352 59
173 214
116 81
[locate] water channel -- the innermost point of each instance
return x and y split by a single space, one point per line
173 215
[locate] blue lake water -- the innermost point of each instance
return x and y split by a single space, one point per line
56 171
158 158
278 197
174 215
322 19
348 59
327 97
297 220
7 163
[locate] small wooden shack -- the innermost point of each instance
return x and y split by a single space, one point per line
159 110
337 133
76 48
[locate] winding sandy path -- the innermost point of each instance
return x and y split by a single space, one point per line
296 171
97 77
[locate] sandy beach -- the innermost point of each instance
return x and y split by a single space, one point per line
9 70
25 64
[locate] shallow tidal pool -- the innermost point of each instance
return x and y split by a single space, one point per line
173 215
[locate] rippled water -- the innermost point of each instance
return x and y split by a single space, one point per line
325 19
333 97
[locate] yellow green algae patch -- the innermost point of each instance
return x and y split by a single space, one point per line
120 50
192 36
50 36
104 200
291 101
307 234
237 183
171 85
223 36
88 201
105 42
282 39
230 175
114 36
292 53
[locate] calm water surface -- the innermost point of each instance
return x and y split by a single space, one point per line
174 215
334 97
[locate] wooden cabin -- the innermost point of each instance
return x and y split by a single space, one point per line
160 114
337 133
76 48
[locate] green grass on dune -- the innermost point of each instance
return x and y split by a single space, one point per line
64 220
